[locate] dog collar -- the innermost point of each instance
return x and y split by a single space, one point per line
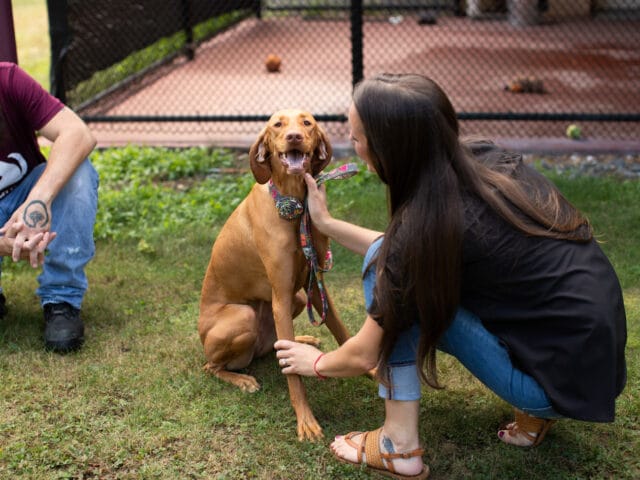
289 208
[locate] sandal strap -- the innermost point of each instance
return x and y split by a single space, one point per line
380 460
372 450
517 430
358 447
418 452
525 423
528 423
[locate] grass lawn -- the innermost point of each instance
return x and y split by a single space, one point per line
135 403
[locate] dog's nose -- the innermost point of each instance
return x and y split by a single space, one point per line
293 137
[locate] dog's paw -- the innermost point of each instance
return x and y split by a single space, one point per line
310 431
308 339
246 383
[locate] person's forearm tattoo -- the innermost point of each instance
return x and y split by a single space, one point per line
36 215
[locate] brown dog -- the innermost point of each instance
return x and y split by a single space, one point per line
252 289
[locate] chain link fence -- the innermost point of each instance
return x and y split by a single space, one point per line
196 70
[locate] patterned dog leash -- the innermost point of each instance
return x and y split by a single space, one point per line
315 270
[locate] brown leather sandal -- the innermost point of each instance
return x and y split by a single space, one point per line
525 425
377 461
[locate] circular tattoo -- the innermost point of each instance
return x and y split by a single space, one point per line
36 214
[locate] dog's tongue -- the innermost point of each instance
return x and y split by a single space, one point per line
295 158
294 161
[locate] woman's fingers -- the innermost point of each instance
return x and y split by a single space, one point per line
281 345
311 182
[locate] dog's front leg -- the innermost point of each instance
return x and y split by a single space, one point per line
308 426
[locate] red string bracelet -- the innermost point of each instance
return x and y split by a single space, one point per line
315 370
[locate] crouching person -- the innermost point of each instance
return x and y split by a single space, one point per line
47 204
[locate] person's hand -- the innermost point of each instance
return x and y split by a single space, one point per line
32 249
30 220
296 358
317 203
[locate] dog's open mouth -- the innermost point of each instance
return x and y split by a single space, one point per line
295 161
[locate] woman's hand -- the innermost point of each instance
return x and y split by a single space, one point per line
355 238
358 355
317 203
296 358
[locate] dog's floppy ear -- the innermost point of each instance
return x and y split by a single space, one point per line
259 161
322 155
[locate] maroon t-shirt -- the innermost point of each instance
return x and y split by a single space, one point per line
25 107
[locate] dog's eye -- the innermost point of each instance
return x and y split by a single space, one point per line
277 124
307 123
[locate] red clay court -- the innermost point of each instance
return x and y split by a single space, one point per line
471 59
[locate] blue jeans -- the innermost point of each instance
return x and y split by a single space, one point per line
473 345
73 217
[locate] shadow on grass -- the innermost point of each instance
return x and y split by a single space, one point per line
21 328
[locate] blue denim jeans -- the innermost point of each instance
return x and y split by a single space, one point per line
63 278
473 345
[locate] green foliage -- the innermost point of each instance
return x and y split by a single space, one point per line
139 165
152 192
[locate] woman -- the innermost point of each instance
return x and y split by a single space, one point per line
484 259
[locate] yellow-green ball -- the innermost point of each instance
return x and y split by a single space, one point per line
574 132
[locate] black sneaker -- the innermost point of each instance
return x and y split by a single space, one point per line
63 329
3 306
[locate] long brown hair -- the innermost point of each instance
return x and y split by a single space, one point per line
413 138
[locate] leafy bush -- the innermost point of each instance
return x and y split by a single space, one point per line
148 192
